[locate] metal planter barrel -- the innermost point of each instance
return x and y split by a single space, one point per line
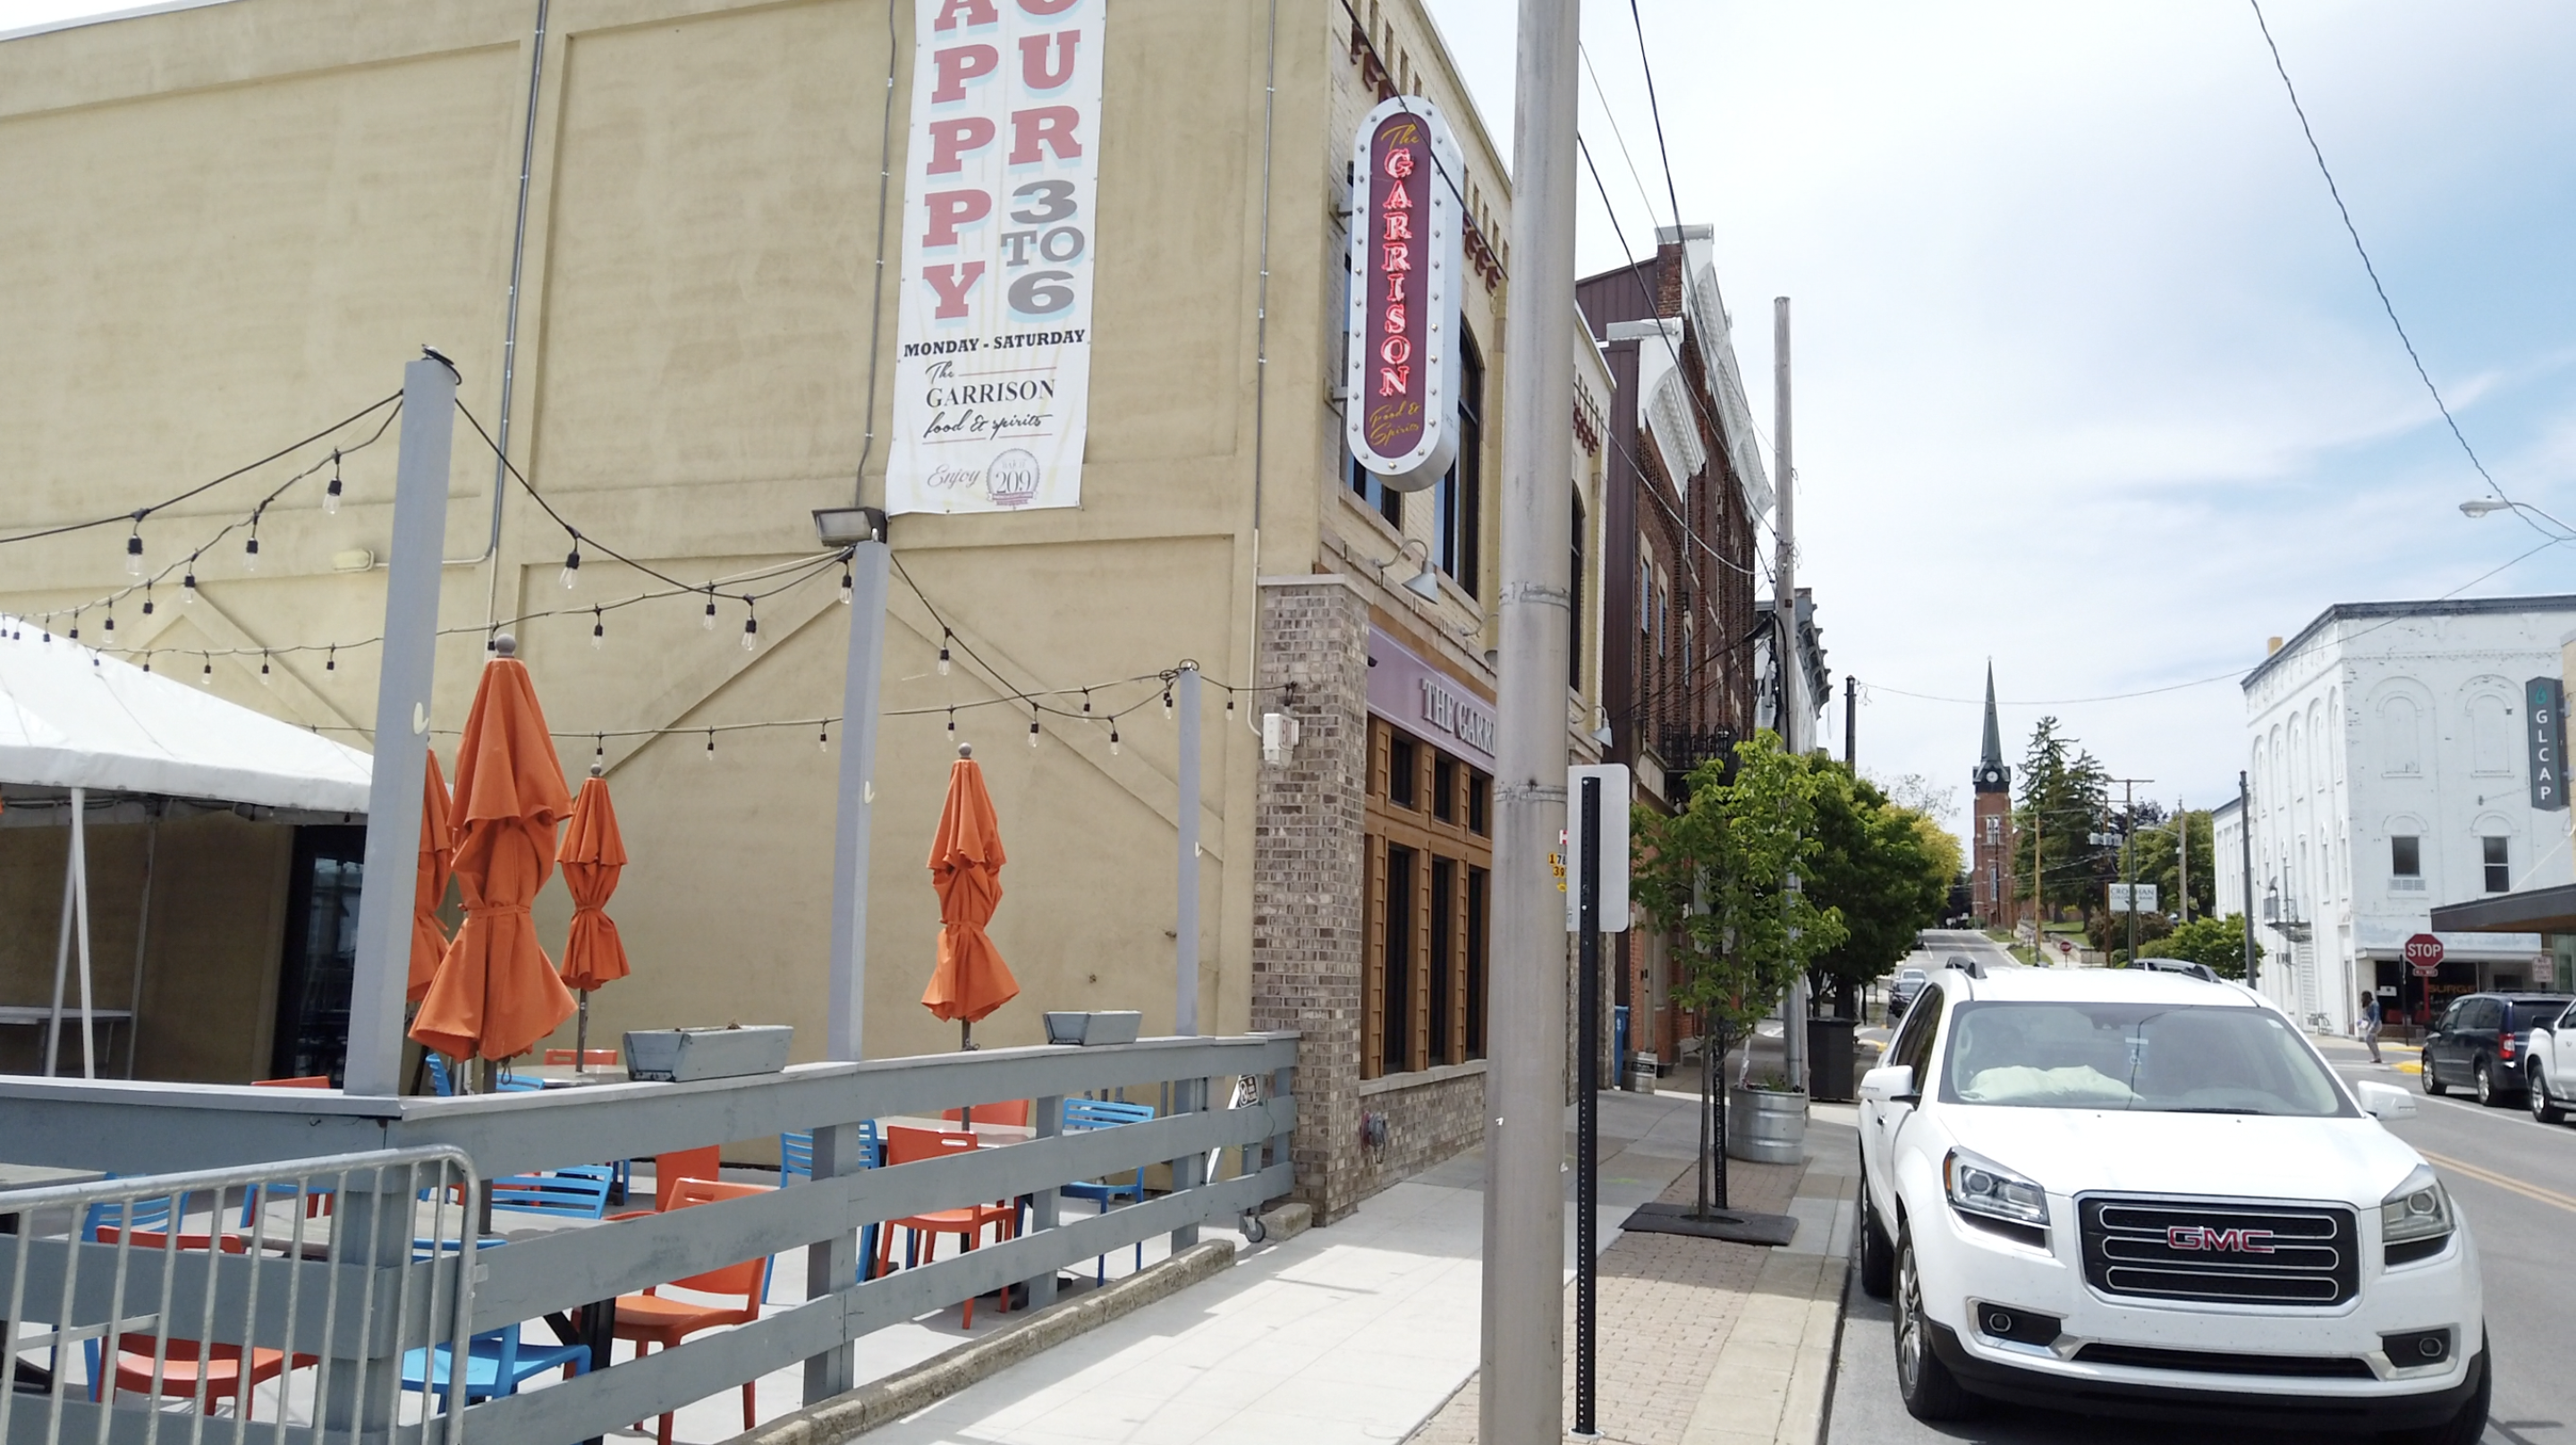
1765 1126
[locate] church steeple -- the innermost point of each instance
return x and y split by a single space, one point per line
1991 776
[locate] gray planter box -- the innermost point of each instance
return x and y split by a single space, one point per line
1094 1028
1765 1126
680 1055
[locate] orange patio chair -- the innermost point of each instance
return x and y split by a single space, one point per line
185 1363
581 1056
652 1318
1011 1111
905 1146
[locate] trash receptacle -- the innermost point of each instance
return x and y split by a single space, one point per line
1829 1058
1642 1073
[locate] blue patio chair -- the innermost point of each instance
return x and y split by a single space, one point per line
578 1191
796 1161
497 1362
439 1078
1082 1116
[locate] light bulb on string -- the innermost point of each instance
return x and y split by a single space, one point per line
263 669
944 635
1229 702
711 745
1086 702
1167 704
134 550
952 724
147 599
845 584
147 662
331 493
1113 739
250 549
75 632
110 629
599 750
598 629
207 677
710 623
188 582
572 564
750 628
331 659
823 740
1033 728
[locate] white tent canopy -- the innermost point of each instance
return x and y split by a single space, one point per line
72 718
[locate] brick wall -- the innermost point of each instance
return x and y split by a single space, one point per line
1306 871
1428 1117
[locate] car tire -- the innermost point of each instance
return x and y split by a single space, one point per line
2482 1085
2433 1084
1929 1390
2544 1109
2469 1426
1877 1251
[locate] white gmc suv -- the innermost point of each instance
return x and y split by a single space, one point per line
2131 1192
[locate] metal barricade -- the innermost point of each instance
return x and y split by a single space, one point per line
310 1300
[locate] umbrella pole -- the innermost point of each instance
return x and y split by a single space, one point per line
581 1037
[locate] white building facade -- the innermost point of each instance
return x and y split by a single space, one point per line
2390 754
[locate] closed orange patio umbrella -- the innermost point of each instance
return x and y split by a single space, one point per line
966 867
496 993
592 854
429 886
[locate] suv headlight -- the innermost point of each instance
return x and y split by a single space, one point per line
2416 1215
1980 1186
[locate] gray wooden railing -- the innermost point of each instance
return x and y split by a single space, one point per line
141 1128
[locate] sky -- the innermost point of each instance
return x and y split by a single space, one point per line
2090 381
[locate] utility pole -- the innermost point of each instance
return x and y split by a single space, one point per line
1519 1399
1793 675
2182 857
2129 852
1851 719
2245 836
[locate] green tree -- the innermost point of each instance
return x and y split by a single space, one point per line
1714 876
2065 799
2157 848
1886 869
2217 942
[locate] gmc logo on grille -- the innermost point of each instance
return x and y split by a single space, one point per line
2200 1237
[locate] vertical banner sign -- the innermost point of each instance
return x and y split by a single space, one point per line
2544 702
992 377
1406 233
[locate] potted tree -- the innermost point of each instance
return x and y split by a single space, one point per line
1722 877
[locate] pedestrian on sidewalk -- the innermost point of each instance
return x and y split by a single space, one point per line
2370 1024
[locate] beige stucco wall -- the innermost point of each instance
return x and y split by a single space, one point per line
229 226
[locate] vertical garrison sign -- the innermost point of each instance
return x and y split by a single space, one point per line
1405 247
2544 708
992 376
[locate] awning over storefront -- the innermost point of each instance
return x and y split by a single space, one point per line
2539 910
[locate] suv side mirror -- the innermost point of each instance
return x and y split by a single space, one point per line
1888 1084
2382 1101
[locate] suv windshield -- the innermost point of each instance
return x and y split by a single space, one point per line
2191 1060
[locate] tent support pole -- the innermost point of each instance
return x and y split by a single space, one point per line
62 960
80 899
142 935
410 665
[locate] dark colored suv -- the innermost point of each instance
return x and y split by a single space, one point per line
2477 1043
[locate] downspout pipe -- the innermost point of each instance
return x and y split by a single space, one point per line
1261 373
510 326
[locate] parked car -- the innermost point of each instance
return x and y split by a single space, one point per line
2478 1042
2140 1193
1902 993
2549 1066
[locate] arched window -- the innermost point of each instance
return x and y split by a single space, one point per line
2490 736
2401 737
2317 746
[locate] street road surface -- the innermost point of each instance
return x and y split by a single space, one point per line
2514 1181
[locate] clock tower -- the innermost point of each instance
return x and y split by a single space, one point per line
1990 843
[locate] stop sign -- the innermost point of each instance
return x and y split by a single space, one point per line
2424 951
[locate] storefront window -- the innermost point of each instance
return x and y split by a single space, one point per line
1423 981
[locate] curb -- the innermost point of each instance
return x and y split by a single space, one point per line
907 1392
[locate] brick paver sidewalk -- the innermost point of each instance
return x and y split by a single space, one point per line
1670 1307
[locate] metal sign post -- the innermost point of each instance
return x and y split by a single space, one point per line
1597 903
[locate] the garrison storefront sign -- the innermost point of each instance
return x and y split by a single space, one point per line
1400 411
992 375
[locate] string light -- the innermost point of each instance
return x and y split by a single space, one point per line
711 745
263 669
750 625
1086 702
134 548
207 677
598 630
1033 728
147 662
599 750
952 724
250 549
331 493
110 629
572 563
824 740
845 584
710 623
147 599
75 632
331 659
944 635
188 583
1167 704
1113 738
